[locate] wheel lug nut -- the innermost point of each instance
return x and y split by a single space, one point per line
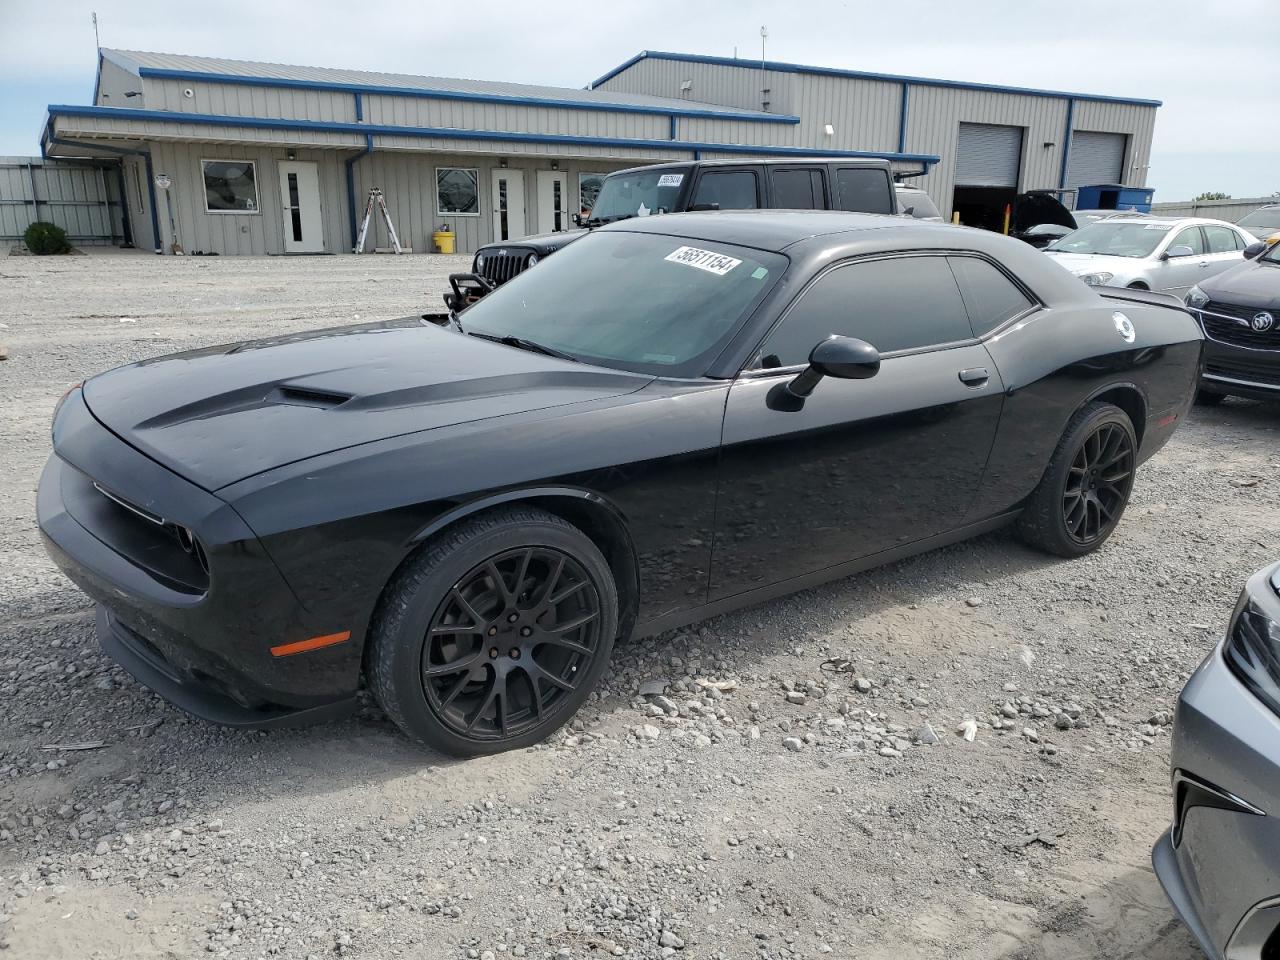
515 653
512 617
493 631
526 631
493 653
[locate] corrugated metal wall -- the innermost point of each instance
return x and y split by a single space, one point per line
242 233
114 83
83 199
1229 210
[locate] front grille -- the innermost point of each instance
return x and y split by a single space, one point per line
502 265
1252 373
1227 323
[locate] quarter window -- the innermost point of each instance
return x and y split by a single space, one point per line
588 189
230 186
897 304
990 297
457 191
1189 237
867 191
731 189
1221 239
798 190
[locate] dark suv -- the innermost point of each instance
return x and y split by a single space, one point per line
860 185
1239 310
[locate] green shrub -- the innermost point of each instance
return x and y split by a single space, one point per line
43 238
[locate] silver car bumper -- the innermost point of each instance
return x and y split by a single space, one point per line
1219 862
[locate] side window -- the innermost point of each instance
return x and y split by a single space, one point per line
896 304
1221 239
798 189
1189 237
867 191
731 189
990 296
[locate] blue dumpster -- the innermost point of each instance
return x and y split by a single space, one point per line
1114 196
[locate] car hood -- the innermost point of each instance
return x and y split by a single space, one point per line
225 413
1080 263
543 243
1249 284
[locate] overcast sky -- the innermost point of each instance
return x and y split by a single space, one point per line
1215 65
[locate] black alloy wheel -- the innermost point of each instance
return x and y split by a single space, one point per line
1098 483
1086 485
509 642
494 632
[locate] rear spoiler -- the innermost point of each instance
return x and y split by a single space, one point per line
1142 296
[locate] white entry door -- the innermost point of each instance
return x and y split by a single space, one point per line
508 205
553 202
300 201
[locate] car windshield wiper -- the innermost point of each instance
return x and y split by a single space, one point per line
521 343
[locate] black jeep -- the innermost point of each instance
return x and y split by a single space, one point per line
856 184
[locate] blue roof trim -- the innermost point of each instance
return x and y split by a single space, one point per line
454 133
466 95
777 67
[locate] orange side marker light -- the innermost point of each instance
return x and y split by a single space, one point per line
315 643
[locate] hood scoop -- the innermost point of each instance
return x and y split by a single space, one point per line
308 397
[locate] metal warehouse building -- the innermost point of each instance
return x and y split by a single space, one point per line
232 157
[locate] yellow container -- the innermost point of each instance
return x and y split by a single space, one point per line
443 239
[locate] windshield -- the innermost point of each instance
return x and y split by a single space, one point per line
1266 220
639 194
1112 238
636 301
1272 255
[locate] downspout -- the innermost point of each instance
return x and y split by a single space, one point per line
351 176
902 117
151 178
1066 144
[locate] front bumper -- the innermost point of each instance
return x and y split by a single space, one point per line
1237 370
1220 862
203 642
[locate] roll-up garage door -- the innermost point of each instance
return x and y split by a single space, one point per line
1096 158
988 155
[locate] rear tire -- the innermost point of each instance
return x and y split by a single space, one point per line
495 634
1085 489
1206 399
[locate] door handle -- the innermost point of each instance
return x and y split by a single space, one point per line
974 376
1204 263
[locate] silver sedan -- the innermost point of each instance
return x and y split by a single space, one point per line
1219 862
1151 253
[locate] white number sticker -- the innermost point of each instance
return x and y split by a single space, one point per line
707 260
671 180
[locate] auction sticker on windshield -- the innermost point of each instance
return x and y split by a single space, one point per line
707 260
671 180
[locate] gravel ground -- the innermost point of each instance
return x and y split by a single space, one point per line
745 805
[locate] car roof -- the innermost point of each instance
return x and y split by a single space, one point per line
1171 221
767 161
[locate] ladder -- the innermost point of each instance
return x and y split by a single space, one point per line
376 196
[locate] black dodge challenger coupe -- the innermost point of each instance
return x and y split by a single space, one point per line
669 419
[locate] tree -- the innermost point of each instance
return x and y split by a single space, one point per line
1212 195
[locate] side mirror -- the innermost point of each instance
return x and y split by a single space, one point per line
909 212
1177 251
577 219
693 208
845 358
1255 249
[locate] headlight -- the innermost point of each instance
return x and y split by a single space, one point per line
1097 279
532 261
479 262
1252 651
1196 298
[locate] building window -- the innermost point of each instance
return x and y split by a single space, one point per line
588 190
230 186
457 191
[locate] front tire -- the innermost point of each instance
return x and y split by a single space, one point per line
495 634
1086 486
